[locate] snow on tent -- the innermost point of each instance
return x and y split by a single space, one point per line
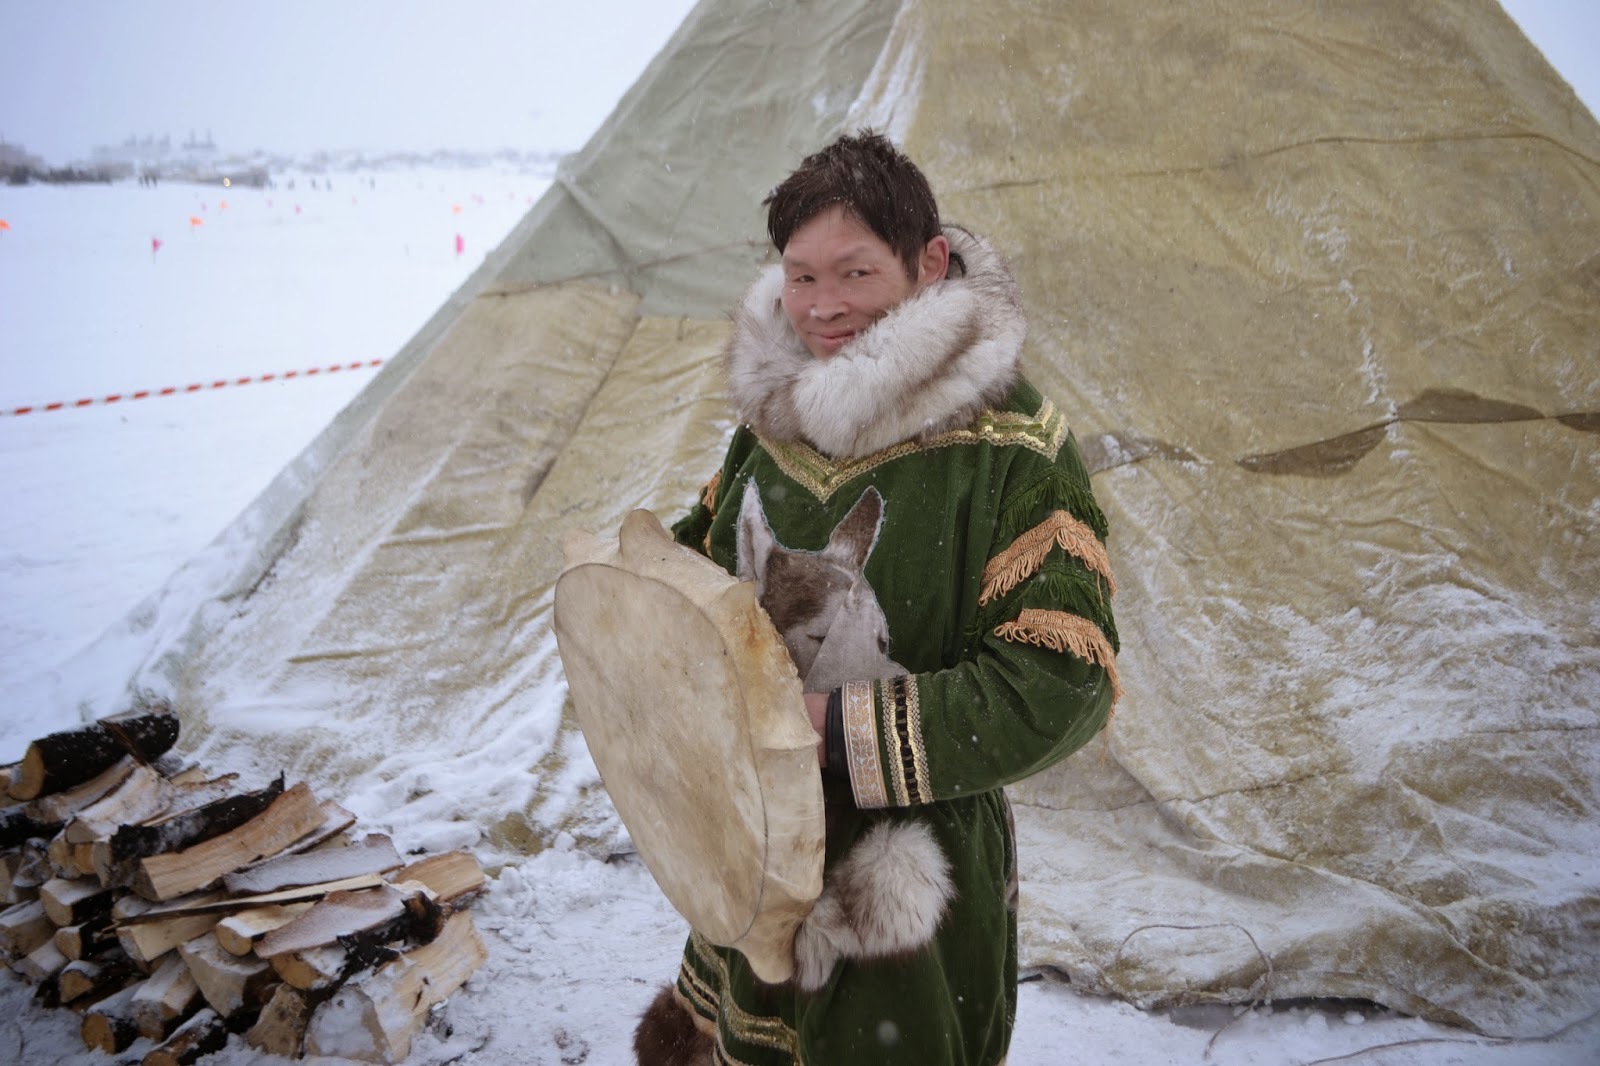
1320 288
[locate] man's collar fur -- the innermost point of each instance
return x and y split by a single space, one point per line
930 365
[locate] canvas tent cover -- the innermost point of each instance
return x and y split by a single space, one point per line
1319 287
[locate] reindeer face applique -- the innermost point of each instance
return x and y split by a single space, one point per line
820 602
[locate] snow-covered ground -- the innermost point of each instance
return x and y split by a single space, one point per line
245 282
104 502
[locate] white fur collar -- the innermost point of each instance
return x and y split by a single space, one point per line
930 365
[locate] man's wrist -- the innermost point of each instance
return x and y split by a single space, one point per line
837 765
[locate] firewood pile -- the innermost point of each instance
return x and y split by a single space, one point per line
158 902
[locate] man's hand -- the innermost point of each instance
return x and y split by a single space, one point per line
817 710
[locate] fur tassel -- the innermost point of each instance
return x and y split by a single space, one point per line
885 899
668 1036
1026 554
1067 633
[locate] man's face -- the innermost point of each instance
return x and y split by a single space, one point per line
840 278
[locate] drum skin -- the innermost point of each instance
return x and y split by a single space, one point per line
693 713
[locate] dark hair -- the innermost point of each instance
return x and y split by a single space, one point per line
874 182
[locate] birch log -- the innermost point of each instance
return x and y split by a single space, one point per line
115 859
108 1025
374 1019
289 817
196 1038
165 999
62 760
231 984
24 927
371 855
451 877
281 1029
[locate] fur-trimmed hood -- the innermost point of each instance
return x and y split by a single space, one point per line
930 365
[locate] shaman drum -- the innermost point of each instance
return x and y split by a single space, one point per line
693 713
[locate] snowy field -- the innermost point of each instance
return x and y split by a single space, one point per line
103 502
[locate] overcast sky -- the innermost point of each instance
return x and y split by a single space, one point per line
295 75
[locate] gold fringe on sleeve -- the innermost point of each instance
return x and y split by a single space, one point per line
1026 554
1063 632
708 495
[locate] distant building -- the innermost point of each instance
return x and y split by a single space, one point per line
14 156
17 167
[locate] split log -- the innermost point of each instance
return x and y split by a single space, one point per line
42 963
182 828
16 886
385 911
34 869
128 912
149 935
291 816
71 902
232 985
314 969
20 822
47 993
59 806
374 1019
164 1000
196 1038
10 897
86 939
23 928
108 1025
143 794
82 978
238 933
62 760
452 877
61 853
347 932
374 854
281 1029
326 837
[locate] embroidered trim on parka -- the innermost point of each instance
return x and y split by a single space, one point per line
1042 432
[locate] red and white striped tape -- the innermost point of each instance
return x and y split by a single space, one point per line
181 390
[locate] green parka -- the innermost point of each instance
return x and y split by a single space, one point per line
992 575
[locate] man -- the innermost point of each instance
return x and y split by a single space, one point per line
875 373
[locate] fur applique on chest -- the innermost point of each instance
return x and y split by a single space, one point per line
820 602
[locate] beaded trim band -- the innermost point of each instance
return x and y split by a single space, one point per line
902 726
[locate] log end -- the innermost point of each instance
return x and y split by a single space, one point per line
27 780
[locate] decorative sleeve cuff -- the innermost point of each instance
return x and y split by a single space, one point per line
882 727
861 745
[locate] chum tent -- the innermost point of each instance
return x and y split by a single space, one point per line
1319 289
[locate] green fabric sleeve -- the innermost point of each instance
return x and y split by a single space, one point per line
694 528
1007 714
1037 678
691 529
